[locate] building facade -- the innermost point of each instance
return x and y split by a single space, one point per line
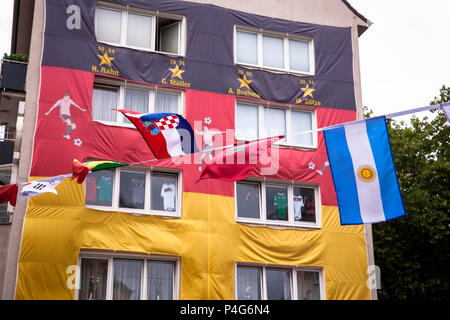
237 72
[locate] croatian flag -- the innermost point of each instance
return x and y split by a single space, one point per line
363 172
167 134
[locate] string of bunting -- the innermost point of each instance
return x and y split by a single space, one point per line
149 127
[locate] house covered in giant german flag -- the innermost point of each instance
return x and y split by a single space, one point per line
153 230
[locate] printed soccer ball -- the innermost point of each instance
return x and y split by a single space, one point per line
77 142
208 120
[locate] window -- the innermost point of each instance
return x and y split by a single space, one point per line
5 208
127 277
270 50
4 132
277 203
140 29
139 191
256 121
278 283
108 95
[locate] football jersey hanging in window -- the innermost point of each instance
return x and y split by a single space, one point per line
105 185
137 190
281 203
298 204
168 195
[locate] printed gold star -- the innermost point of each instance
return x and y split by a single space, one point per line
105 59
245 82
308 91
176 72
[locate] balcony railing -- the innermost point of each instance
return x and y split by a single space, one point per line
6 146
13 75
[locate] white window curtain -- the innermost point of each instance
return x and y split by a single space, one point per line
248 283
108 25
136 100
246 122
139 31
274 122
273 52
308 285
160 280
299 55
278 284
127 279
104 99
301 121
166 102
246 47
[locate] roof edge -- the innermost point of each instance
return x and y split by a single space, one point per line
361 28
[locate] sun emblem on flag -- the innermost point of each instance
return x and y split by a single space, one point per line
367 173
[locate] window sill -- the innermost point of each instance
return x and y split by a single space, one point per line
274 70
137 212
282 145
115 124
294 146
280 225
146 50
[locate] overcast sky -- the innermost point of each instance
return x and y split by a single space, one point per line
405 54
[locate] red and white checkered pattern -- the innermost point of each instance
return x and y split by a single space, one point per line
169 122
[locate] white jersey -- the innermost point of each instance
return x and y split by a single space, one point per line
168 195
298 204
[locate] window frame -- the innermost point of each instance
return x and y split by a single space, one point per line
121 87
6 209
125 10
110 256
293 275
290 190
260 33
115 206
288 122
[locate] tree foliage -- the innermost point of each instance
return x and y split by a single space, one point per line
413 251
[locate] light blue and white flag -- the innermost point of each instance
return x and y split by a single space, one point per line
446 109
363 172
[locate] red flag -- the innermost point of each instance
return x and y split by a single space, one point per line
237 162
79 171
9 193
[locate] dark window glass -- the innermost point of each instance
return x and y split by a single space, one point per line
164 192
93 279
247 196
132 189
278 284
304 204
276 202
99 188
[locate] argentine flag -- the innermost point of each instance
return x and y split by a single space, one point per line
363 172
